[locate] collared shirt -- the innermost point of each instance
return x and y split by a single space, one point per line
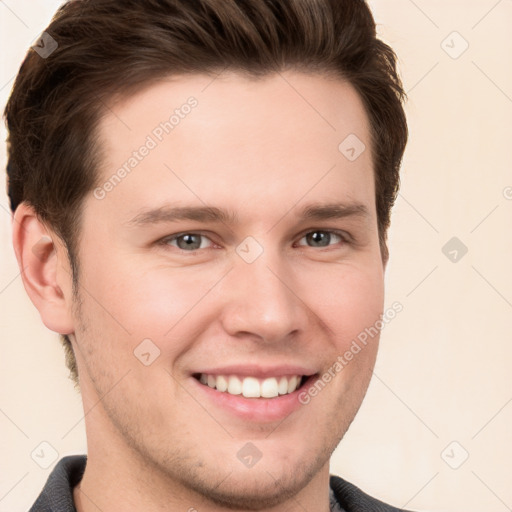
57 494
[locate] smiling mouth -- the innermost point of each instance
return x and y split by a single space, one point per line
253 387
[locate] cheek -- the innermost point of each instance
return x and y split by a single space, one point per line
359 309
349 300
134 303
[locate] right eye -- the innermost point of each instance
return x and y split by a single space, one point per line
187 242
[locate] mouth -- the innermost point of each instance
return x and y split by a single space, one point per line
253 387
254 394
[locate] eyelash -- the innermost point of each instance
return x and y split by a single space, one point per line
166 241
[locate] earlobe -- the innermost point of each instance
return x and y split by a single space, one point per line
44 267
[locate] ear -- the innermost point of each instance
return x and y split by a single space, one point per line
45 270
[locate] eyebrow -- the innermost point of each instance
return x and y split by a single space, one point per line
166 214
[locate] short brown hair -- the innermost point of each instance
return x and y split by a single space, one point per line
107 47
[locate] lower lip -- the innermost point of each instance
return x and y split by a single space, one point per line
255 409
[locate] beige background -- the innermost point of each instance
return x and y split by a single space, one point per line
443 372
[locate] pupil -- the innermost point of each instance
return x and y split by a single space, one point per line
319 238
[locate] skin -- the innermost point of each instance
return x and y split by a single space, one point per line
259 149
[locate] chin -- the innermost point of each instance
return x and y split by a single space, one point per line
274 479
256 489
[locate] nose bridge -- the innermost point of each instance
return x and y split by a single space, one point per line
261 298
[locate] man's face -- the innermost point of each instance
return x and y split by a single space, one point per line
265 292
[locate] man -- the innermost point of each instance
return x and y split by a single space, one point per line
201 194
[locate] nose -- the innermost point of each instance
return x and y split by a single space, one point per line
260 300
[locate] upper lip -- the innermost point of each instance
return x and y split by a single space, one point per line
254 370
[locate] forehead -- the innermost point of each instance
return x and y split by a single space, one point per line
217 139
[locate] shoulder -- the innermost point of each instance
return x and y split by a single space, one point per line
354 499
57 494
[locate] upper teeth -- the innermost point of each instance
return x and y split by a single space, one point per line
251 387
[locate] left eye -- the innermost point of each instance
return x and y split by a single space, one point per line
321 238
